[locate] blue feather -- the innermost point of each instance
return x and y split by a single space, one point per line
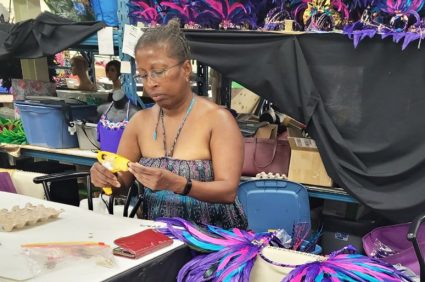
206 246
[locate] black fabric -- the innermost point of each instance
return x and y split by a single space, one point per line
164 268
365 107
46 35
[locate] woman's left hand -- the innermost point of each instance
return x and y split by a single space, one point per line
157 178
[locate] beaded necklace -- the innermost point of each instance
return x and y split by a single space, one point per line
161 118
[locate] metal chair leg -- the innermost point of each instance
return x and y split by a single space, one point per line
89 193
412 236
136 207
111 204
46 190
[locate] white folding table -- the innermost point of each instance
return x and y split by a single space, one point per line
77 224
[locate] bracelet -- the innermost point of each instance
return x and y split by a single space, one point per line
187 187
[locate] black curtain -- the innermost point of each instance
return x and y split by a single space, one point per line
365 107
45 35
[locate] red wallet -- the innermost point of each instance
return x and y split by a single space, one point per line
141 244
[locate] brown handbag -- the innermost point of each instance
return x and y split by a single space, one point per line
268 155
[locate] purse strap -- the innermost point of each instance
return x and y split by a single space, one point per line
255 154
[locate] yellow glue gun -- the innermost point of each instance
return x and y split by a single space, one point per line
114 163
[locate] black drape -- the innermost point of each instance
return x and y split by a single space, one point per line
365 107
45 35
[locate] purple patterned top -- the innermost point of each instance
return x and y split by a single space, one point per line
167 204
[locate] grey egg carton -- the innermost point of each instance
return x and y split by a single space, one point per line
29 215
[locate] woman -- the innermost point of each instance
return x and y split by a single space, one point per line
186 150
113 72
79 67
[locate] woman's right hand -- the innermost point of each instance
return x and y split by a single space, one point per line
102 177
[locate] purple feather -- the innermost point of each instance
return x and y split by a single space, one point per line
397 36
355 4
140 11
340 266
235 252
359 31
409 37
230 14
234 260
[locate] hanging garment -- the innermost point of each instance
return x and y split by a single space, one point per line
109 133
45 35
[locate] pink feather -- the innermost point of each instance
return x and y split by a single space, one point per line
181 10
217 6
202 236
234 7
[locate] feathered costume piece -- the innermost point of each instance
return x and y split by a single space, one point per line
321 15
230 14
194 14
398 19
224 14
230 255
275 17
344 265
148 12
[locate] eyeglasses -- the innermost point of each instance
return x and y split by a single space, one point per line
154 75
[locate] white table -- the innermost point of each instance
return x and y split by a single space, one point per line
74 224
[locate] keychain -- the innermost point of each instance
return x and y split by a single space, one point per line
114 163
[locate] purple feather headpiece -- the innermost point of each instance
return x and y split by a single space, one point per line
344 265
275 17
151 13
401 11
186 11
321 15
404 24
229 14
229 255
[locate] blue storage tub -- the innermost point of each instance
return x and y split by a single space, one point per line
46 122
274 204
106 11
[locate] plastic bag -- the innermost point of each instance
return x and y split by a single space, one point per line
45 257
380 250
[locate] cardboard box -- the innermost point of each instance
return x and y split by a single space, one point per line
244 101
306 165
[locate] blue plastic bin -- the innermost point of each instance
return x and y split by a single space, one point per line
274 204
46 125
106 11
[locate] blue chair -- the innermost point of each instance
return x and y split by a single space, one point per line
274 204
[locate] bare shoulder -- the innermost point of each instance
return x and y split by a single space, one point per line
215 114
144 115
142 121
